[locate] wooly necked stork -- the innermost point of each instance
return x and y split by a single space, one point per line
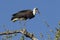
24 14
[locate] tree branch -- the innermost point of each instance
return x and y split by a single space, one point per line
23 31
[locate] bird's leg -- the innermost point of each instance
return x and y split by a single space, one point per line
20 22
24 24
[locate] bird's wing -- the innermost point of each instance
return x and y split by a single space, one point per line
20 12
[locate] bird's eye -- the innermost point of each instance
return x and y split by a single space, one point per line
36 8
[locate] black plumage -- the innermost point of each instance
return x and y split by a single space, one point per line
25 14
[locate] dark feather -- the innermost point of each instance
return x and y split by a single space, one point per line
23 11
26 14
14 14
12 18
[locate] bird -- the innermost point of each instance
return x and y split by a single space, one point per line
24 14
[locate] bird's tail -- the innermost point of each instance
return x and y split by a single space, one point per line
14 19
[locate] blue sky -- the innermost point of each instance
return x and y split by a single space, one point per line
49 10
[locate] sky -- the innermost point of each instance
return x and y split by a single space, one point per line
49 12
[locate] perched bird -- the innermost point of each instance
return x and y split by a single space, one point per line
24 14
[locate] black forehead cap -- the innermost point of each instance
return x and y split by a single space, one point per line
36 8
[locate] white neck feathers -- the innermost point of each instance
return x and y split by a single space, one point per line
34 12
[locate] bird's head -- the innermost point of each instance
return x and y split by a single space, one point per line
35 11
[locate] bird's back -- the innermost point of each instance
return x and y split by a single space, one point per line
22 12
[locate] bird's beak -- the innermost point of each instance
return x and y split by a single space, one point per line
38 11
